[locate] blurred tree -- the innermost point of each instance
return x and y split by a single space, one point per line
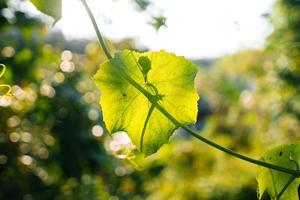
284 45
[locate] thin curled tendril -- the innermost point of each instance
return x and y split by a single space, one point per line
8 88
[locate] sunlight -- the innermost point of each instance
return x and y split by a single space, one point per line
194 28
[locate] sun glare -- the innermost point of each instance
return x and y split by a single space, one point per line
195 28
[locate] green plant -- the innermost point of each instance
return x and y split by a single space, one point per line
131 79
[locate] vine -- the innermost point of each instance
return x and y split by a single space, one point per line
7 88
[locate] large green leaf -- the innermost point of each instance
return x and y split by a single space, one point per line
273 181
169 78
49 7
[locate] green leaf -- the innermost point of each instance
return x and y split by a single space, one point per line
142 4
49 7
273 181
158 22
170 80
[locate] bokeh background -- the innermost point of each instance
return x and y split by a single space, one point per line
53 143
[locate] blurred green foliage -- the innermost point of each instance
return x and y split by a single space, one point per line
47 146
53 144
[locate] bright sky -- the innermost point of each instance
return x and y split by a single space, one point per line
195 28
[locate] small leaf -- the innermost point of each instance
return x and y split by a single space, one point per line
158 22
170 79
272 181
49 7
142 4
145 64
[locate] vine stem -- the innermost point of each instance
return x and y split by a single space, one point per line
2 70
154 102
286 186
99 36
8 90
145 125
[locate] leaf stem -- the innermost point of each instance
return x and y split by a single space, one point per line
154 102
99 36
145 126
